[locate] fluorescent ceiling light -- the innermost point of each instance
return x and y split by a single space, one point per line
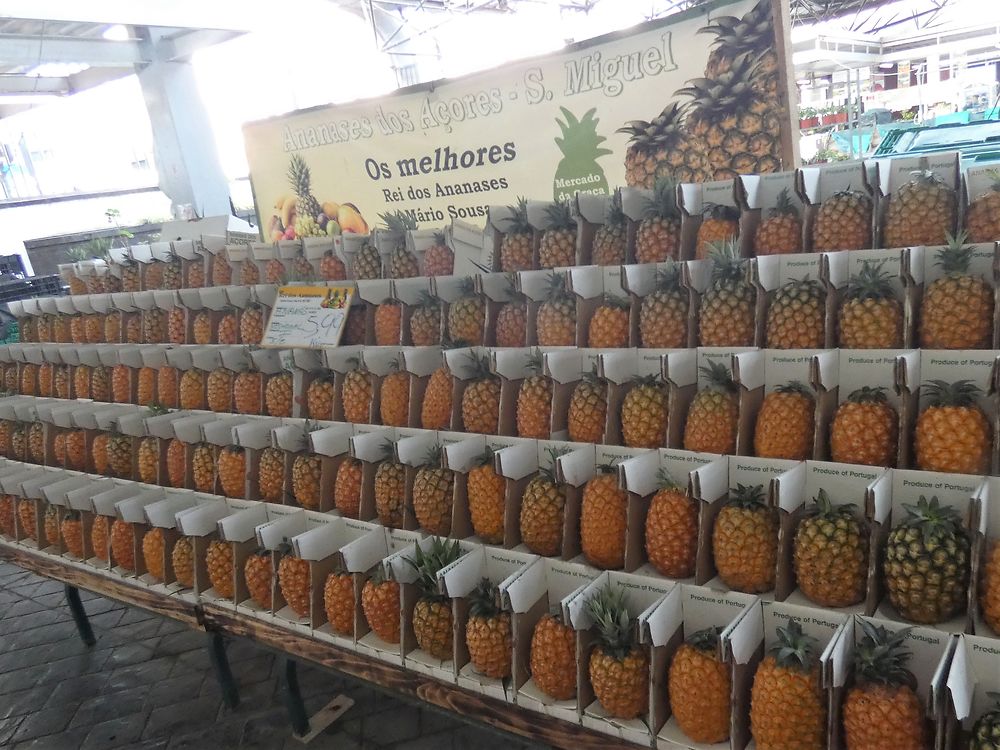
116 33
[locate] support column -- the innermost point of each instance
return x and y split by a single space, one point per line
186 157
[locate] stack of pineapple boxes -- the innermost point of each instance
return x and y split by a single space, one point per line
724 454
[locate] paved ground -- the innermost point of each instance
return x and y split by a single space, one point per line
147 684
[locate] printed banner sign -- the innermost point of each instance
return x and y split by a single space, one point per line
308 316
700 95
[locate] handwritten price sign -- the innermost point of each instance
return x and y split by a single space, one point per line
308 317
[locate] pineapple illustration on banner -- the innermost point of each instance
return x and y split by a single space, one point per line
580 144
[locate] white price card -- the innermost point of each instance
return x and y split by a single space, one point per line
308 317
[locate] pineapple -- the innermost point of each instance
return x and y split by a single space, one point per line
252 324
843 222
347 488
203 468
481 398
610 241
542 512
98 451
368 261
467 315
952 432
271 475
786 423
402 263
94 327
787 701
301 268
232 466
989 587
981 217
658 235
294 582
603 520
177 325
149 460
319 397
154 326
153 552
435 410
154 275
247 392
644 413
609 325
797 314
672 529
72 533
278 395
588 409
182 561
130 276
557 246
388 323
259 577
870 316
36 442
517 245
145 389
192 389
51 526
700 686
552 658
227 330
882 708
29 381
745 541
486 491
123 545
555 323
99 538
307 208
219 390
653 148
720 224
921 212
432 616
831 554
332 268
7 522
357 395
534 401
219 562
195 274
120 455
394 401
618 667
781 231
306 472
202 328
957 309
986 730
512 320
726 316
338 602
380 604
488 633
46 375
439 259
433 494
176 462
425 321
926 564
133 329
865 429
663 313
390 490
714 412
121 384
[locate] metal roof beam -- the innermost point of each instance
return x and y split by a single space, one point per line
232 15
12 84
25 49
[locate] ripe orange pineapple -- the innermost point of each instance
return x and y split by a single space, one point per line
29 380
843 222
488 632
99 453
72 533
36 443
121 384
388 320
232 465
390 490
6 426
347 488
719 224
797 314
153 552
380 604
952 432
355 329
94 329
467 315
182 561
609 327
543 512
219 390
517 245
555 323
145 388
120 455
557 244
166 387
271 475
727 313
227 330
788 703
712 417
123 545
153 275
274 272
512 320
11 382
618 668
278 395
61 382
202 328
745 541
252 324
176 462
192 389
219 561
154 326
957 309
149 460
439 260
51 526
394 400
203 468
100 533
603 520
222 271
831 554
786 423
332 268
357 396
177 325
481 397
249 273
133 329
865 429
435 410
781 231
658 235
432 617
534 401
28 519
113 327
672 529
319 397
294 582
610 239
7 522
338 602
989 587
77 330
588 409
552 658
433 494
923 211
644 413
700 685
257 573
306 472
46 374
486 491
870 316
663 313
981 216
425 321
247 392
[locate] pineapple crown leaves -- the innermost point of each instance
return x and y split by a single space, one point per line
467 287
614 301
824 507
485 458
533 360
805 286
611 618
718 377
956 256
665 481
705 640
616 214
155 409
518 223
549 472
727 265
664 130
555 287
729 93
882 656
849 193
794 649
720 212
735 34
385 450
652 380
663 203
427 564
479 367
747 497
795 386
439 238
668 279
560 215
933 519
871 282
398 221
868 395
926 177
434 456
298 174
580 136
783 206
607 468
484 600
961 393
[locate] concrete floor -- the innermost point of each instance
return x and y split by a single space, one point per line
147 684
